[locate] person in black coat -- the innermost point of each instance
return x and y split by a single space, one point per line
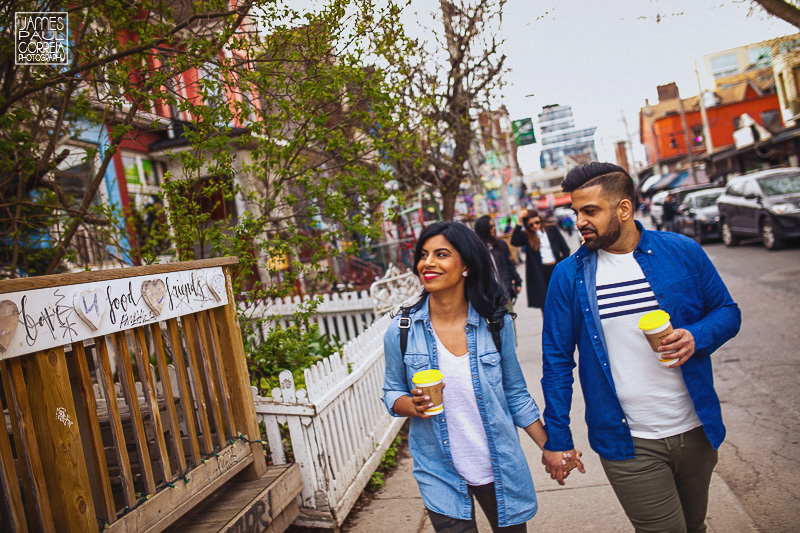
545 247
501 256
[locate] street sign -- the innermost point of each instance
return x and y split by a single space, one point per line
523 131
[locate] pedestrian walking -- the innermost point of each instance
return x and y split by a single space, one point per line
501 258
460 326
656 428
670 212
544 248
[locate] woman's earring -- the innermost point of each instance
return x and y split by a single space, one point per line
464 274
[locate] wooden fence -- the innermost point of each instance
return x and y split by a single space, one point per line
141 459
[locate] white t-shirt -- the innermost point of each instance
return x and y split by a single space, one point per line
468 443
545 248
654 398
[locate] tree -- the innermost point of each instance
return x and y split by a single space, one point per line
50 174
451 95
788 11
287 114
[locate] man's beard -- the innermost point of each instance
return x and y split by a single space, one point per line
611 235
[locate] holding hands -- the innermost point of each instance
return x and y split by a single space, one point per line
559 464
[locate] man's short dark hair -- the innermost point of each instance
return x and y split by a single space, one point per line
615 181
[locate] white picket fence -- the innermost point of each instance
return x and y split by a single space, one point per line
338 426
341 315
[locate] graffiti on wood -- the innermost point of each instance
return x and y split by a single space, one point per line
40 319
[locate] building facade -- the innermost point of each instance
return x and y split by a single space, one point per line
560 137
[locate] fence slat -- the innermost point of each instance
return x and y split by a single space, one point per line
274 439
106 504
208 331
176 443
120 447
13 509
57 432
200 389
132 400
151 398
186 402
27 446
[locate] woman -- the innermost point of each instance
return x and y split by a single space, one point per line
471 450
501 257
545 247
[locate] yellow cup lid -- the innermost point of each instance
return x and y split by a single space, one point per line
653 319
427 376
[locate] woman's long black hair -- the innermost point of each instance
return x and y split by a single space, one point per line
481 288
483 228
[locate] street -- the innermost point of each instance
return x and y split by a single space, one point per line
756 378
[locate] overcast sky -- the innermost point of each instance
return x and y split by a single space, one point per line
605 58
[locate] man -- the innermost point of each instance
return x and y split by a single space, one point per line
656 428
670 212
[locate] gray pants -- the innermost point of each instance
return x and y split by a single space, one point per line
665 488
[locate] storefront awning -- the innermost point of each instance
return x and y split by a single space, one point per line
558 201
665 182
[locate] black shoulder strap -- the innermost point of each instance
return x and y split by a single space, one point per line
405 325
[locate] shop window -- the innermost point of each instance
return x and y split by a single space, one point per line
139 170
771 119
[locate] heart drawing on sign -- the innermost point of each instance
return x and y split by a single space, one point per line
9 318
90 306
154 291
217 285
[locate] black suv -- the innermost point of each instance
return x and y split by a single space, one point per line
765 204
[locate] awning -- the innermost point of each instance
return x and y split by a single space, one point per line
680 178
667 181
565 199
648 184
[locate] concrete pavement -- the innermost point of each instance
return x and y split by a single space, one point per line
585 504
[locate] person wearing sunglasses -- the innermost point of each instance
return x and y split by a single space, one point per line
544 248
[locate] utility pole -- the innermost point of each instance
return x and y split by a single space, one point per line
686 135
703 115
629 145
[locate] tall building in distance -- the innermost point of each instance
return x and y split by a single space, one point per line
560 138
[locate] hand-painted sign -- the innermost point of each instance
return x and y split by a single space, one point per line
39 319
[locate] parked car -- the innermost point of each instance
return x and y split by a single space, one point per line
698 216
657 201
657 209
765 204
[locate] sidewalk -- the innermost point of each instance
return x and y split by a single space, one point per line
585 504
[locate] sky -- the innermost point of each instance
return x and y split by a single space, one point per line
605 58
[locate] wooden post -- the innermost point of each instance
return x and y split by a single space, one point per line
13 513
59 440
237 376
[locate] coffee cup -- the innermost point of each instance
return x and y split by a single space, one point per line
656 325
430 382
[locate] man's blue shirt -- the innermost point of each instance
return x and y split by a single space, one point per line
686 285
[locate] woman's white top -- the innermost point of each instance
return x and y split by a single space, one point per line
468 444
545 248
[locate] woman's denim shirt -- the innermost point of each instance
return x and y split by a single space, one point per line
503 402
